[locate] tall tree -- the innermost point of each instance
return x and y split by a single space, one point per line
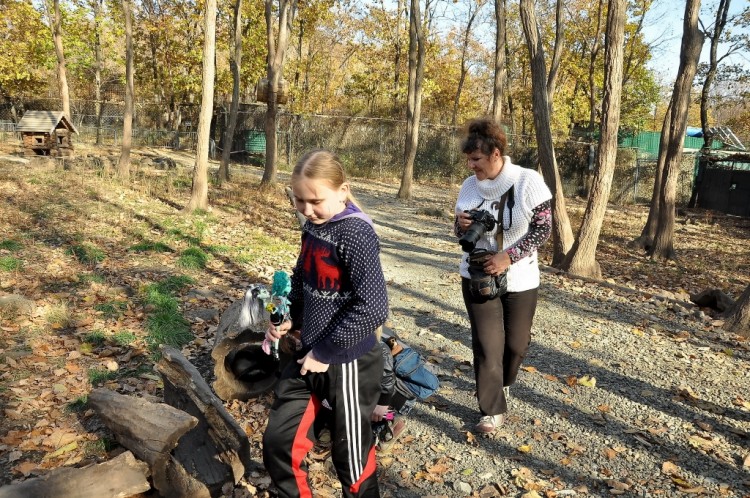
199 195
738 316
474 7
274 70
581 260
62 77
499 75
714 35
557 51
692 42
417 50
596 46
562 235
236 65
123 166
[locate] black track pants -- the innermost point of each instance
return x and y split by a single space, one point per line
343 398
500 338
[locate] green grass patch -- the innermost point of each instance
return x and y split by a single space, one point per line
11 245
217 249
99 448
182 182
99 376
193 258
85 278
111 309
174 284
59 315
124 338
87 254
165 325
9 263
96 337
78 404
150 246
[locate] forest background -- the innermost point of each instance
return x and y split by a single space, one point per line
349 60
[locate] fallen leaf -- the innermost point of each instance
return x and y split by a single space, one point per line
25 468
65 449
529 369
669 468
587 381
524 448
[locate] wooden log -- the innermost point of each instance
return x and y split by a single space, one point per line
150 430
217 451
241 369
120 477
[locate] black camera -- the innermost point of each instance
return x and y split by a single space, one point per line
481 221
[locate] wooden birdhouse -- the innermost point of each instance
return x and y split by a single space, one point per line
282 93
46 133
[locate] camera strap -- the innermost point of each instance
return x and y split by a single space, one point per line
508 197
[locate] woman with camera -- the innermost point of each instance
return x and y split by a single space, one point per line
503 213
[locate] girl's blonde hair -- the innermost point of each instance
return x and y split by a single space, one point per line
321 164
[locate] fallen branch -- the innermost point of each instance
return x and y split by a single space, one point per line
120 477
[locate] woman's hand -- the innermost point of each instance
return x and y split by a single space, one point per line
275 332
464 220
497 264
310 364
379 413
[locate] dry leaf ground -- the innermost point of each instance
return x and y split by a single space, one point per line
80 324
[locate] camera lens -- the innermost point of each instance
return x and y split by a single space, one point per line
469 240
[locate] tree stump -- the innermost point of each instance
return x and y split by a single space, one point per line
150 430
241 369
217 450
120 477
713 298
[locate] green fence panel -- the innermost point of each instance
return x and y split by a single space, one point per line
255 141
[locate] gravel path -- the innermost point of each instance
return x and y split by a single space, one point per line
666 411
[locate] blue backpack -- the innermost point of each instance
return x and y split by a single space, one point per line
410 367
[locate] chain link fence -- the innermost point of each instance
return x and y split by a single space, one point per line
368 147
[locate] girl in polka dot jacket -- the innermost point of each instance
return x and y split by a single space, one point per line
338 300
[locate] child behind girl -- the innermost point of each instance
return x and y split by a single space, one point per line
338 300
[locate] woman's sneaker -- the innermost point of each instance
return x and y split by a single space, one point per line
489 423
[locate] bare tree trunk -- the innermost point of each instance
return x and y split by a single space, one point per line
562 235
62 78
123 166
498 86
738 317
556 54
592 67
401 6
713 63
98 64
417 51
236 64
646 240
692 41
199 195
274 68
464 48
581 260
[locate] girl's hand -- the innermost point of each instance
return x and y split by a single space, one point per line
310 364
497 264
274 332
379 413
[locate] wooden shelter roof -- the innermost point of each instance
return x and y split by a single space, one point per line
43 121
